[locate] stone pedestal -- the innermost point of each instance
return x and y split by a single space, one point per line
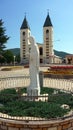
33 92
41 97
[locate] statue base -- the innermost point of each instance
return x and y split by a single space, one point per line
33 92
41 97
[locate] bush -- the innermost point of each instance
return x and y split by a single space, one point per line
8 95
13 106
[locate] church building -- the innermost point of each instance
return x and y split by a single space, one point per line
46 52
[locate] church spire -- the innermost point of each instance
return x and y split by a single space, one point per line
25 24
47 21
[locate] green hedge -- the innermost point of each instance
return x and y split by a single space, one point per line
13 106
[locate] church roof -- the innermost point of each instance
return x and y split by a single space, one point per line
25 24
47 21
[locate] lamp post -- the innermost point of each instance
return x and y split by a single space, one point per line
14 60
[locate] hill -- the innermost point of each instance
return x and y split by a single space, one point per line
62 54
15 51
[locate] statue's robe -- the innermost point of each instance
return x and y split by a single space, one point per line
34 88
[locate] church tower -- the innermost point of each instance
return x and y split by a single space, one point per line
48 40
24 41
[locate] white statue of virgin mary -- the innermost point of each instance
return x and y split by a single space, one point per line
34 88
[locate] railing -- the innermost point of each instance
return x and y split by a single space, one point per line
63 84
24 81
13 82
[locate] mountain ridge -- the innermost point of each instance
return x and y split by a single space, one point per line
16 51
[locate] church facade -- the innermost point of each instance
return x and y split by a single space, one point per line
46 52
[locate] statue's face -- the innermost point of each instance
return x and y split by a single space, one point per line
30 39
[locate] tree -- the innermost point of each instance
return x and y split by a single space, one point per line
8 55
18 58
2 59
3 37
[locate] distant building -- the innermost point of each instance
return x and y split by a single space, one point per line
45 50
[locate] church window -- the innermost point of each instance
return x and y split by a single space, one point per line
47 34
47 31
23 33
24 43
23 36
47 38
23 39
41 50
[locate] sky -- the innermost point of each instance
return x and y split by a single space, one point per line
12 12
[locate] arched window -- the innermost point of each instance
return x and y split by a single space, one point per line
47 33
23 33
23 36
41 51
